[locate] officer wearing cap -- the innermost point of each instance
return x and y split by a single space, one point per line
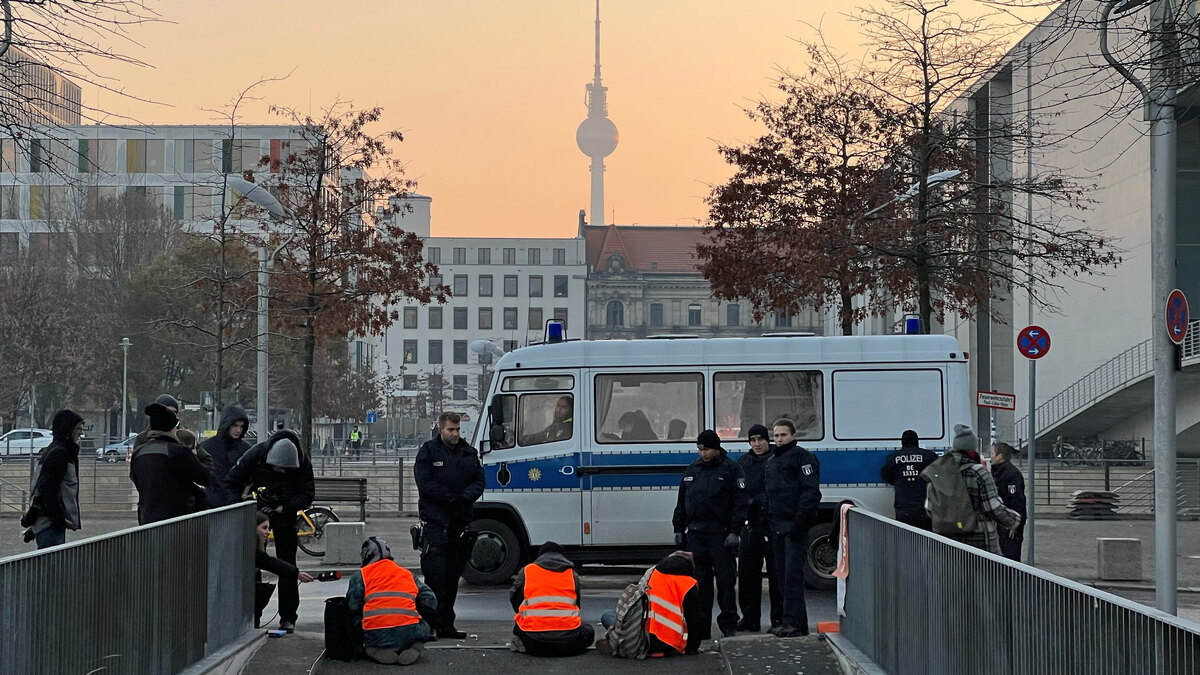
756 537
709 514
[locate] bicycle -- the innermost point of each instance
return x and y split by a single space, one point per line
1067 453
310 529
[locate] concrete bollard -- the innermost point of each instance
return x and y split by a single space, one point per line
343 543
1118 559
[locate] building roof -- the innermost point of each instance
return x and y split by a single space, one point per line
645 248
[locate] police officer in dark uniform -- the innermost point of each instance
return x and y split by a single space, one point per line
756 537
711 510
449 480
1010 485
793 480
902 469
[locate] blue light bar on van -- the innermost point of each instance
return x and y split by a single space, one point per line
555 331
912 324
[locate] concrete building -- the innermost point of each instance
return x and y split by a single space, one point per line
33 94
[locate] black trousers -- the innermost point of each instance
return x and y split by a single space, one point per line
1011 548
283 525
790 550
557 642
444 555
713 560
755 548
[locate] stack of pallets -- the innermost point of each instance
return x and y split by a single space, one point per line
1094 505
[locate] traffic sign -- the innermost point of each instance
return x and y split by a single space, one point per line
372 417
1177 316
1033 342
994 399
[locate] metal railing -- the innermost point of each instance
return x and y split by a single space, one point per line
920 603
390 484
1132 482
13 497
151 599
1125 368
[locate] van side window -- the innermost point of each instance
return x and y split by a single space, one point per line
546 418
747 398
924 414
648 407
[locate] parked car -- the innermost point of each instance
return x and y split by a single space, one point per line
116 452
25 441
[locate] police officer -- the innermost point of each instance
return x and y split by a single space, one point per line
449 480
793 479
711 510
1010 485
902 469
756 538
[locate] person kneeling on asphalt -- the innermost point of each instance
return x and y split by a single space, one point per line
545 597
394 607
672 601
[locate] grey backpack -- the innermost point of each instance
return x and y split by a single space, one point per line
627 637
946 499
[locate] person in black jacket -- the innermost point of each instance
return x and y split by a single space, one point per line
902 469
164 471
756 538
282 480
54 499
225 449
1010 484
711 511
793 497
449 479
263 561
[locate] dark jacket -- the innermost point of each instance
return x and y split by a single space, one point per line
902 469
448 482
54 498
225 452
712 497
754 467
292 489
165 474
793 480
552 562
692 613
1010 485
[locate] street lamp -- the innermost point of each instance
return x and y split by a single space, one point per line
125 344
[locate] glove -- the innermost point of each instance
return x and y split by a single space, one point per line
679 539
732 541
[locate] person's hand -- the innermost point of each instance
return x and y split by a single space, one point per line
679 539
732 541
305 577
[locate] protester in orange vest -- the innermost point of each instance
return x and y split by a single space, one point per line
394 607
545 597
673 598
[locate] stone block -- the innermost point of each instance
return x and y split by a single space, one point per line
1118 559
343 543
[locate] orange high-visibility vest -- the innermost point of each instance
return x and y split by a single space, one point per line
550 602
664 620
390 596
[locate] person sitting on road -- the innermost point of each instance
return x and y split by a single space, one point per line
672 604
395 608
265 561
545 597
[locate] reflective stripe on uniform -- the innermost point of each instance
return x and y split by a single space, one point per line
549 612
666 622
548 598
389 594
674 609
386 611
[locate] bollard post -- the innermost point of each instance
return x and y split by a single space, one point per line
1107 476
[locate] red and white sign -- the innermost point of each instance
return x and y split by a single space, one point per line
1177 316
994 399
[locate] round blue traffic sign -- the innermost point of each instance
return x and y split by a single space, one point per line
1033 342
1177 316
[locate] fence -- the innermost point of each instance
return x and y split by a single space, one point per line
390 484
150 599
1133 482
919 603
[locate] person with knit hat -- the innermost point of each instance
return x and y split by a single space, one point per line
394 607
708 519
756 537
981 488
902 470
546 598
165 471
281 479
54 499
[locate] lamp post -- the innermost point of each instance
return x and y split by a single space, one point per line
125 344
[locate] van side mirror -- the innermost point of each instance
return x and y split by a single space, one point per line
496 437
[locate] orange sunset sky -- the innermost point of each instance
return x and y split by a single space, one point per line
489 94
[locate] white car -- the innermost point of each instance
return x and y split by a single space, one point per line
24 441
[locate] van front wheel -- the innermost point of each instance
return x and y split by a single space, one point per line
820 559
496 555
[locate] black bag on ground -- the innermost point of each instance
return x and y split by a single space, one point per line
343 638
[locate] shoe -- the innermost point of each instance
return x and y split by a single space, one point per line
747 627
692 650
786 631
289 626
516 645
384 656
729 633
604 647
451 633
409 656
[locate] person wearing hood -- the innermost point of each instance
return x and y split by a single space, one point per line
164 471
981 488
709 516
756 538
793 479
167 401
394 607
281 478
672 605
225 449
54 498
545 597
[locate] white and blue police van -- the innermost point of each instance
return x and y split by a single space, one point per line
584 442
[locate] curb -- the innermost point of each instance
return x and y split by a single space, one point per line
852 661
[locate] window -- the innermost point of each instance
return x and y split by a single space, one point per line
560 314
410 318
693 314
783 319
914 401
435 351
460 255
434 255
535 286
435 317
539 382
656 314
534 255
560 286
648 407
460 387
410 351
510 285
485 318
485 285
485 256
460 285
733 315
435 281
560 256
743 399
535 318
510 256
615 316
410 382
510 345
460 351
10 203
546 418
510 318
10 246
460 318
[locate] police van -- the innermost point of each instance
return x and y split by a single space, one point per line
584 442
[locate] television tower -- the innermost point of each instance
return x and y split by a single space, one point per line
597 135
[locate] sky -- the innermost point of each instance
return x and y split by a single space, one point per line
488 95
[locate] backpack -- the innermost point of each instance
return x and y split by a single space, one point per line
946 499
627 636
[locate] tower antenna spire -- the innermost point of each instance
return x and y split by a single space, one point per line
597 82
597 135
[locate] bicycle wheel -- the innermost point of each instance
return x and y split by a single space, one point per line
1072 458
312 539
